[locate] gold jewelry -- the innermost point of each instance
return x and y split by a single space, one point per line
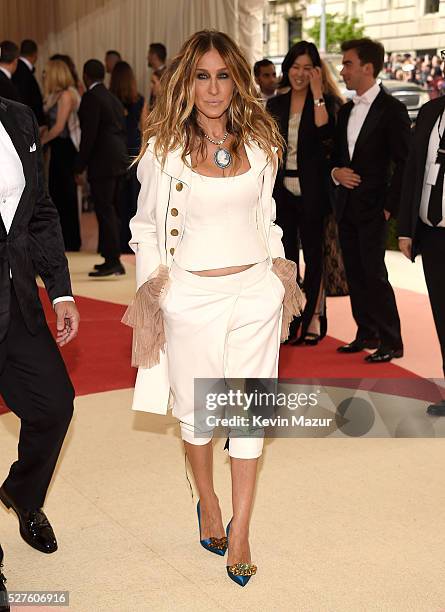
242 569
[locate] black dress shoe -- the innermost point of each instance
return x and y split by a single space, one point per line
358 345
4 605
99 266
437 409
382 355
108 270
35 528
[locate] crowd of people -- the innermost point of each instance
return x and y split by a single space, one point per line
232 182
424 70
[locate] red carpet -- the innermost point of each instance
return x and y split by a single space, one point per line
351 371
99 359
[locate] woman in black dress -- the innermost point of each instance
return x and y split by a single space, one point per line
306 118
123 86
61 104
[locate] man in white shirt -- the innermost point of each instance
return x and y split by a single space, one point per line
371 147
421 226
33 379
266 78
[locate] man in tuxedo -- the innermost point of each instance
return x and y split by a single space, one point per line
9 53
421 223
371 147
33 379
25 81
103 150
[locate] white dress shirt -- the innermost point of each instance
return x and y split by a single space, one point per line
358 114
430 160
27 63
357 117
12 184
6 71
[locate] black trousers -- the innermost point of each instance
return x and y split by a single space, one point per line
294 221
432 248
363 243
106 194
63 190
128 207
35 386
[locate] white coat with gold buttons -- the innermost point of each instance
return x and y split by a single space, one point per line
157 229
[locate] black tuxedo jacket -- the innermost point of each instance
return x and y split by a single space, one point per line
379 157
8 89
314 146
34 244
29 90
103 145
408 221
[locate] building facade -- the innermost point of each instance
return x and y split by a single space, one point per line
401 25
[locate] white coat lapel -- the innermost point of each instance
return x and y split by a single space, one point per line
174 166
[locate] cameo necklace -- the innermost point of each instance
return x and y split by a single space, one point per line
222 156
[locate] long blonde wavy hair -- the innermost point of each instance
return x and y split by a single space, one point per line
173 121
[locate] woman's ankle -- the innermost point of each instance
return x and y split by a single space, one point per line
209 500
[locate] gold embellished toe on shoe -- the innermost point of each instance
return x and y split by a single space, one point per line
214 545
242 569
218 543
241 572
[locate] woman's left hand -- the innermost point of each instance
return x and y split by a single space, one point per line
316 82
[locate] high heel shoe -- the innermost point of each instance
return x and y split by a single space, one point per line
214 545
311 338
239 572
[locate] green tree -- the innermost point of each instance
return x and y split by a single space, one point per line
338 29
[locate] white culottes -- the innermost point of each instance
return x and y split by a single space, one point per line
221 327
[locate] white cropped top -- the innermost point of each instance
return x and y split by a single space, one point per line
221 226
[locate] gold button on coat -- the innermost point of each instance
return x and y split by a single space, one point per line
174 232
172 250
174 212
179 186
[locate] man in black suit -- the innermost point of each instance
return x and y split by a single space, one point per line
371 147
421 222
9 53
103 150
33 379
25 81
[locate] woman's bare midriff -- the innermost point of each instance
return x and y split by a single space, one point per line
222 271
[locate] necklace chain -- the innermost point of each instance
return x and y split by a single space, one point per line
217 142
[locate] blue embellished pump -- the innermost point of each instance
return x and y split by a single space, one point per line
240 572
214 545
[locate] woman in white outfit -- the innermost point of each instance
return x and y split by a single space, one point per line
205 222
